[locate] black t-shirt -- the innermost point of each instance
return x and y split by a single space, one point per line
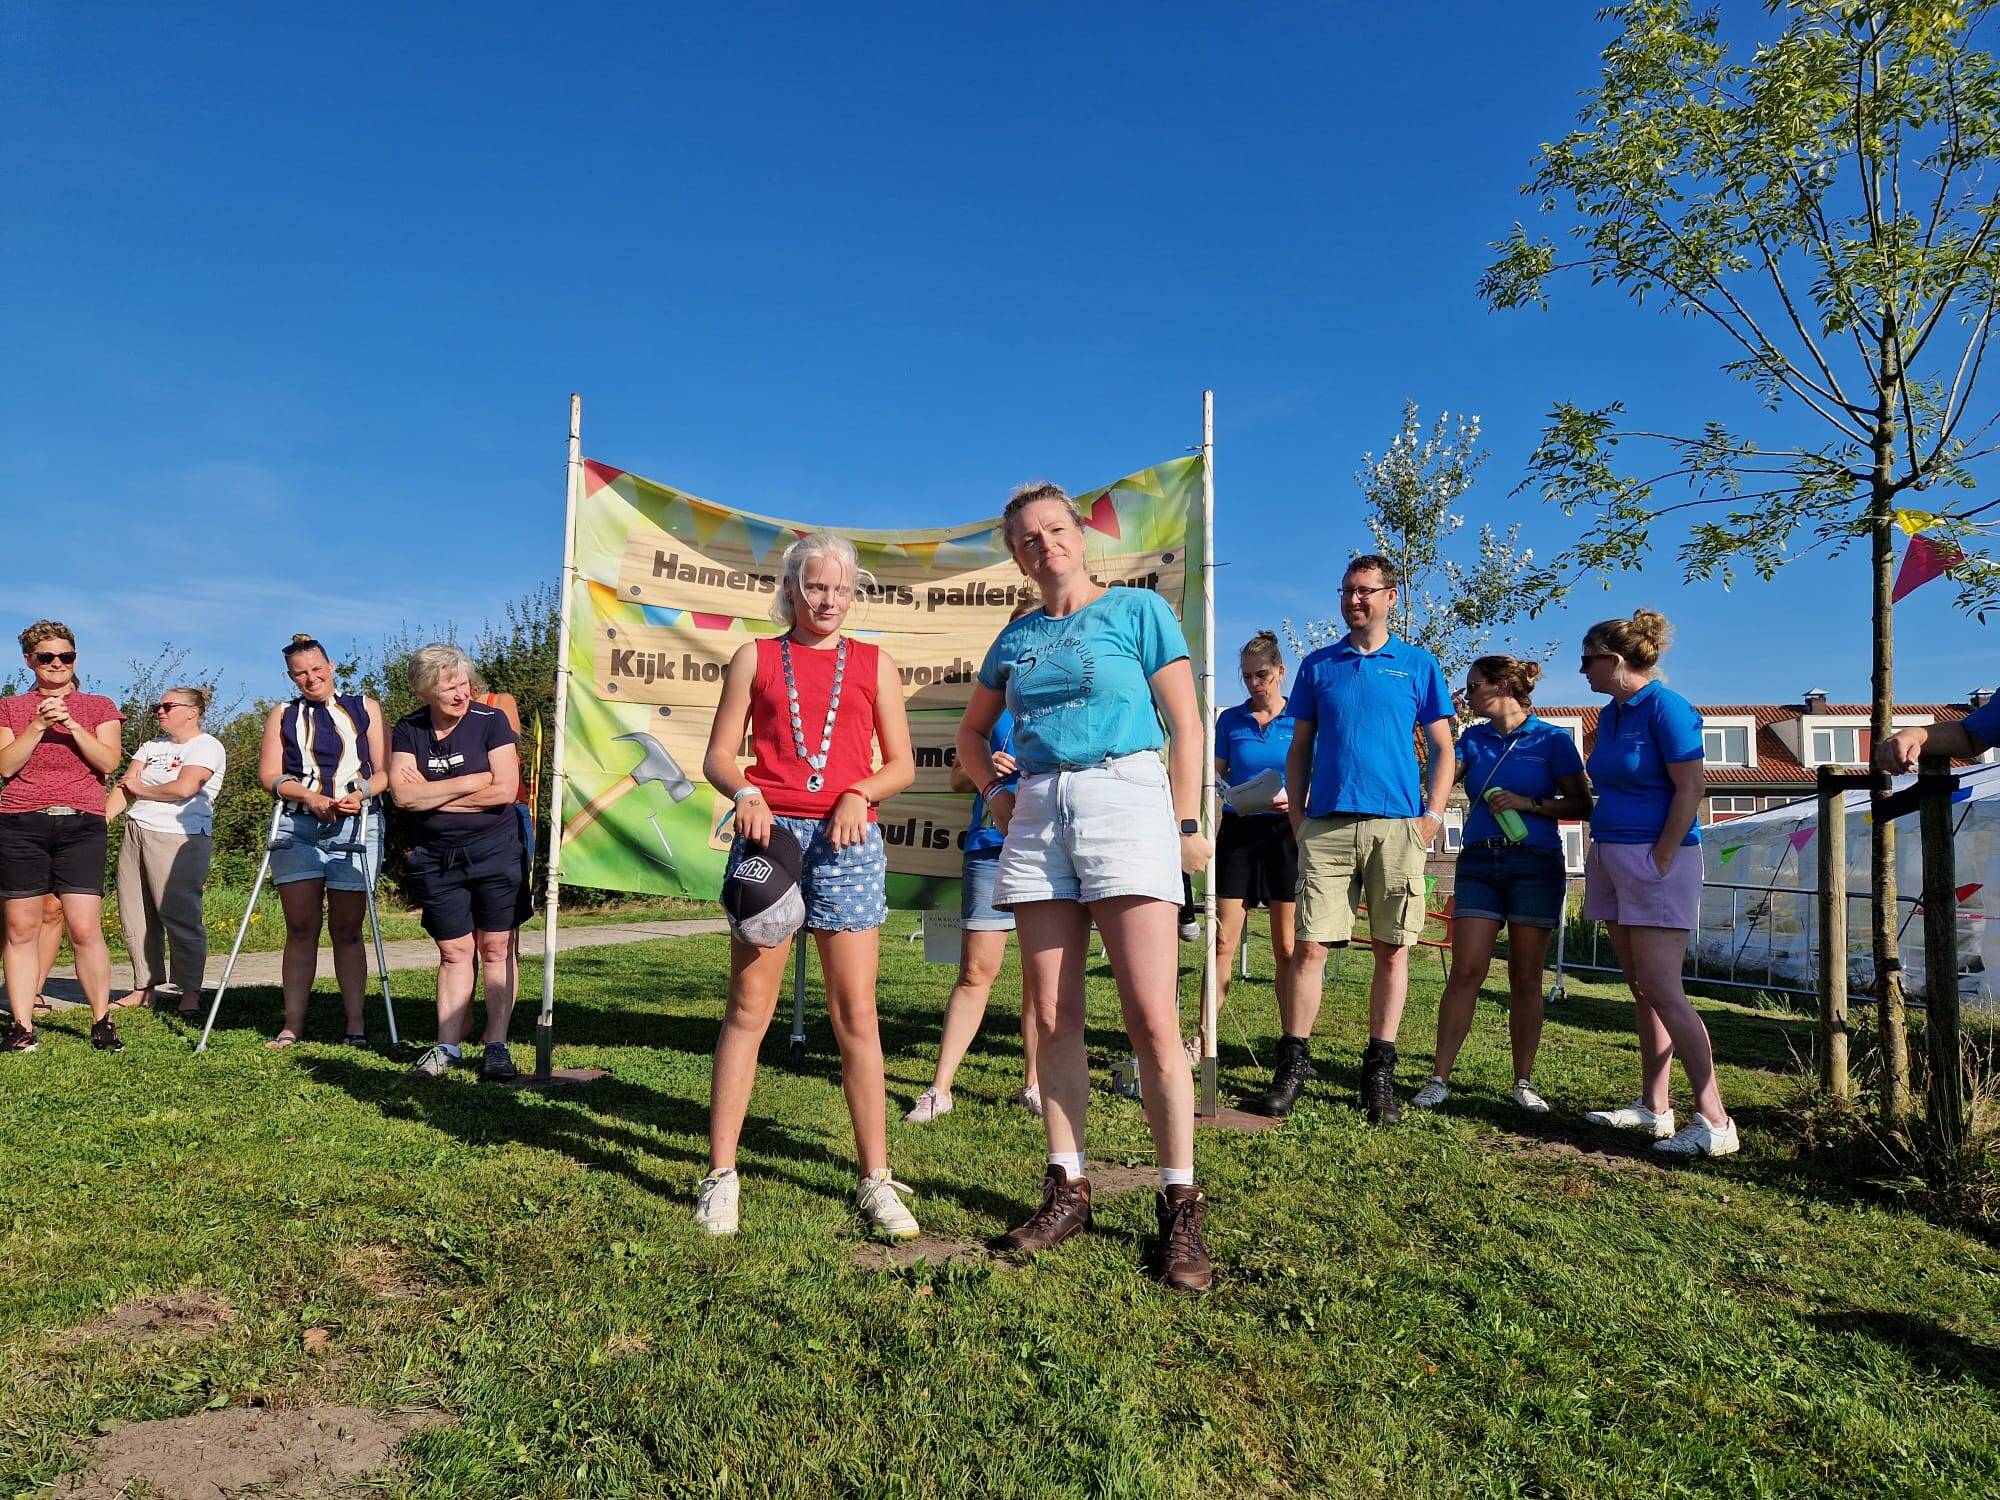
463 752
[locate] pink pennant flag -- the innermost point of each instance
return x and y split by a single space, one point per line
1924 560
1802 836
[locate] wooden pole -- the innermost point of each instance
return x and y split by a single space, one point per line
545 1022
1832 935
1206 1105
1945 1099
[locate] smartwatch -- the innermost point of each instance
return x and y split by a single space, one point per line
1190 825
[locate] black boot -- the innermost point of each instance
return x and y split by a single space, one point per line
1378 1084
1288 1080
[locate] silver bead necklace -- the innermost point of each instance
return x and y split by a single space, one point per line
817 779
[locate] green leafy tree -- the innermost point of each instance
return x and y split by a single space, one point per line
1827 204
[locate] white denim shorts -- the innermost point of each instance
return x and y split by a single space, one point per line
1090 834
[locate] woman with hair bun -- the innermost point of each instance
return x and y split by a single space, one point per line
168 793
1514 763
1642 878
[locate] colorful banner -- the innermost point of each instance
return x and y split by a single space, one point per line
670 586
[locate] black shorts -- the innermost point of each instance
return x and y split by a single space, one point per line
477 887
42 855
1256 859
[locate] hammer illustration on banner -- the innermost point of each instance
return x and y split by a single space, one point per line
655 765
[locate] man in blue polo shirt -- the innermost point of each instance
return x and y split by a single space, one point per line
1968 739
1364 824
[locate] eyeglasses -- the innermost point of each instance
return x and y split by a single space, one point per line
1363 593
50 658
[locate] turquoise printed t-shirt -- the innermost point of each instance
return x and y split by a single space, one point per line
1080 687
982 834
1636 741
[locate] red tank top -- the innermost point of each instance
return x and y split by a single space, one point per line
777 770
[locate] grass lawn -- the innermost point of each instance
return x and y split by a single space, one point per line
1467 1305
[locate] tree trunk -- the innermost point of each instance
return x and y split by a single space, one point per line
1892 1032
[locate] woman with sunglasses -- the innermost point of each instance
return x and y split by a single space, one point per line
1642 877
323 752
58 747
168 795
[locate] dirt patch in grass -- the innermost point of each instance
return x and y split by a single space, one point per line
384 1271
1602 1155
932 1249
1108 1181
213 1455
179 1315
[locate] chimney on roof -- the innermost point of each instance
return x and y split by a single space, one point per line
1815 700
1979 697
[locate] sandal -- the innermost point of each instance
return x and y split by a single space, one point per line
42 1005
188 1010
282 1040
356 1039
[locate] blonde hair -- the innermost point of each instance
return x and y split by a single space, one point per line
1641 641
1263 649
45 630
429 664
1034 493
817 544
1514 677
1026 605
202 697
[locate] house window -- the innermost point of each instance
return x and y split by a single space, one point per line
1573 837
1454 830
1725 745
1724 809
1839 747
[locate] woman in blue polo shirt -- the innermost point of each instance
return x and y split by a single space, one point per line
1642 878
1519 763
1256 854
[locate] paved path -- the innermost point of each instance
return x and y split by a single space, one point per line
414 953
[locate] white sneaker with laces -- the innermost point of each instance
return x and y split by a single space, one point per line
1434 1092
715 1207
1699 1138
1526 1096
930 1104
1030 1099
884 1211
1635 1116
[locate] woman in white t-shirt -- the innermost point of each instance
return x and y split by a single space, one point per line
169 794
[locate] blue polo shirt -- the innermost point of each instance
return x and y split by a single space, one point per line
982 834
1249 749
1983 724
1530 761
1365 707
1080 687
1636 741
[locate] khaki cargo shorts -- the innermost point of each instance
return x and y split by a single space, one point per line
1348 858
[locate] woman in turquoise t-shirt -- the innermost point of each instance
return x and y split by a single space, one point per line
1099 831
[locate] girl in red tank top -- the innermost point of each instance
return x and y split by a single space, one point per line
816 706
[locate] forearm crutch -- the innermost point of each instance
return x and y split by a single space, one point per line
242 927
374 918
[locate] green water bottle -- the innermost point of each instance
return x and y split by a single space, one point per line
1515 830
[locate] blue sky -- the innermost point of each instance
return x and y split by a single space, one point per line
295 298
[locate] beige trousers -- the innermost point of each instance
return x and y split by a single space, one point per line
160 876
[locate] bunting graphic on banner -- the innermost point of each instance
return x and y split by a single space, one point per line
677 584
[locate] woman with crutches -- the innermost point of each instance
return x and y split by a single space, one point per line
323 753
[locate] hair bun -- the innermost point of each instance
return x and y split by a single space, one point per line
300 638
1531 673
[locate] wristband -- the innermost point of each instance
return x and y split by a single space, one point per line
748 791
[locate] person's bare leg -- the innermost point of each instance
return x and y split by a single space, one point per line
755 976
84 917
849 962
1055 942
1527 947
1298 1010
1471 958
1656 1044
302 901
24 931
50 944
346 915
1284 950
1388 987
1230 914
455 960
499 961
980 956
1139 939
1657 953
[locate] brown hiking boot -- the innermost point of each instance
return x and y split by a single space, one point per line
1065 1209
1180 1257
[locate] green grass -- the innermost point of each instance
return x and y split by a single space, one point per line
1427 1311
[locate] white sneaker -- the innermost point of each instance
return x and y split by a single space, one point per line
715 1207
1699 1138
1030 1099
884 1211
1526 1096
930 1104
1635 1116
1434 1092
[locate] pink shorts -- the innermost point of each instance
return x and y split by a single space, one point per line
1622 884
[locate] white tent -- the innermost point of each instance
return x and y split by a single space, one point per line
1759 918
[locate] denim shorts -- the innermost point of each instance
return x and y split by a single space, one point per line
1092 834
975 895
1518 884
307 849
845 890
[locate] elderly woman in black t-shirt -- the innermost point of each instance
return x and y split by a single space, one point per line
453 770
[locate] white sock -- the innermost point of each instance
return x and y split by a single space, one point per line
1176 1177
448 1050
1070 1161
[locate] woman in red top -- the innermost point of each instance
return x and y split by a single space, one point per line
58 747
811 701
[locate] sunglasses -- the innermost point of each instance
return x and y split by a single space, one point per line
1591 656
50 658
160 708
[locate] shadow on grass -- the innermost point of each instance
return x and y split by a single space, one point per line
1772 1042
1947 1355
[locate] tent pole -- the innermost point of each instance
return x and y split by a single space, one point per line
1206 1106
545 1022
